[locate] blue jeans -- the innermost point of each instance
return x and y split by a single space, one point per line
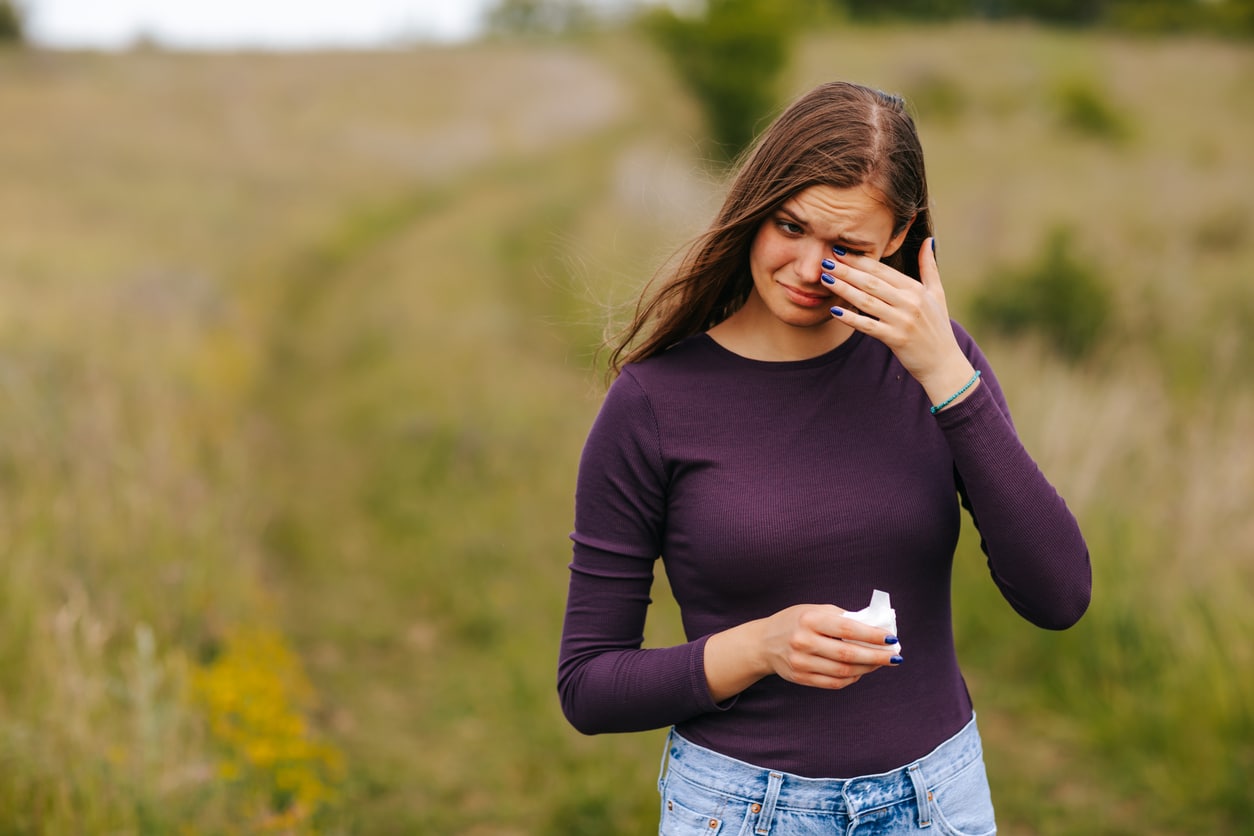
944 792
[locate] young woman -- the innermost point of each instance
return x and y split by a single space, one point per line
793 424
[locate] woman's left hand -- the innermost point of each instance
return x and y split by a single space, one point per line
909 317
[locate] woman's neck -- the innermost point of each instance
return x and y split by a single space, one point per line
757 334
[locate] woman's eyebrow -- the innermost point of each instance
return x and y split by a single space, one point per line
854 243
851 243
793 214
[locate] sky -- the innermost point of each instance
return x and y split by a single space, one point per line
266 24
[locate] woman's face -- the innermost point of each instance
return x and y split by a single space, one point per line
790 246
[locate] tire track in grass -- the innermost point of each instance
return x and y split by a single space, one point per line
424 425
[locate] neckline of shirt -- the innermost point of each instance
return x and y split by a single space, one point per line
818 360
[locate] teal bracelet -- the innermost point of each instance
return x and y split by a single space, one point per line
957 394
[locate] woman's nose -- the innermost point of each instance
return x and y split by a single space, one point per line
817 260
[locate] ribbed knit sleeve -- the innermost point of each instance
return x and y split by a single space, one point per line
1036 553
606 681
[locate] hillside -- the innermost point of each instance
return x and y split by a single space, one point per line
298 356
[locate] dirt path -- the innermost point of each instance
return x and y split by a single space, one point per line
422 433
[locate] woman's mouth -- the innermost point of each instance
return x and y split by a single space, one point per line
806 299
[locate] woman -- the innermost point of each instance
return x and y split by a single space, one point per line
793 424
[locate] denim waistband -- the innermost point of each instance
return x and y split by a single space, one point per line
848 796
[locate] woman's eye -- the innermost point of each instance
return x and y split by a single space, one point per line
789 227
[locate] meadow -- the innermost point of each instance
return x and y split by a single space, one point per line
297 355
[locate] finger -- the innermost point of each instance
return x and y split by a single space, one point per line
825 673
832 623
809 669
863 292
875 638
870 286
874 271
831 683
835 684
929 272
868 325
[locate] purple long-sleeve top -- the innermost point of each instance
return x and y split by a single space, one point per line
767 484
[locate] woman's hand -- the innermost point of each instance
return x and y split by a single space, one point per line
909 317
805 644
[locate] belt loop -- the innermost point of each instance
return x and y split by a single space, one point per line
773 785
666 753
921 795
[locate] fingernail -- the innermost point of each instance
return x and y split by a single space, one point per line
896 660
828 264
837 312
838 250
933 246
827 279
890 640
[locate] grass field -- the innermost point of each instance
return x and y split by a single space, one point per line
297 354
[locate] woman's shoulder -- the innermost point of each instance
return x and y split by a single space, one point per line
691 355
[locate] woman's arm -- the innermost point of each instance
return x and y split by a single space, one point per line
609 683
607 680
1036 552
803 644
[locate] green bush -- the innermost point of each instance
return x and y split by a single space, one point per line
730 60
532 17
1232 18
1084 109
876 10
1060 296
1223 17
11 30
936 97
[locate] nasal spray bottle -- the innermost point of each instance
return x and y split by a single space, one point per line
879 613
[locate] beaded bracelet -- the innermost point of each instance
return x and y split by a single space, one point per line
955 395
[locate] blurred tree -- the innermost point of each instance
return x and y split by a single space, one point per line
1053 11
908 9
731 60
531 17
1060 296
1085 109
1229 17
1050 11
11 30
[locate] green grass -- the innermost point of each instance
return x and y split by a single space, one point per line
303 347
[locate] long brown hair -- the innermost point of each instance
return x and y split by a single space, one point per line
839 134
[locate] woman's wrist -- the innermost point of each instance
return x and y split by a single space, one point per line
951 385
959 394
733 660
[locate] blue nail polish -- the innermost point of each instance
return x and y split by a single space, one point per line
933 246
838 250
837 312
890 640
896 660
828 264
827 279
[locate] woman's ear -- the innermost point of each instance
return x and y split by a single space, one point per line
894 243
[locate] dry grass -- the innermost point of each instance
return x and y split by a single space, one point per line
302 345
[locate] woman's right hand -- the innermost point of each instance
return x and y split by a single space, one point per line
809 644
